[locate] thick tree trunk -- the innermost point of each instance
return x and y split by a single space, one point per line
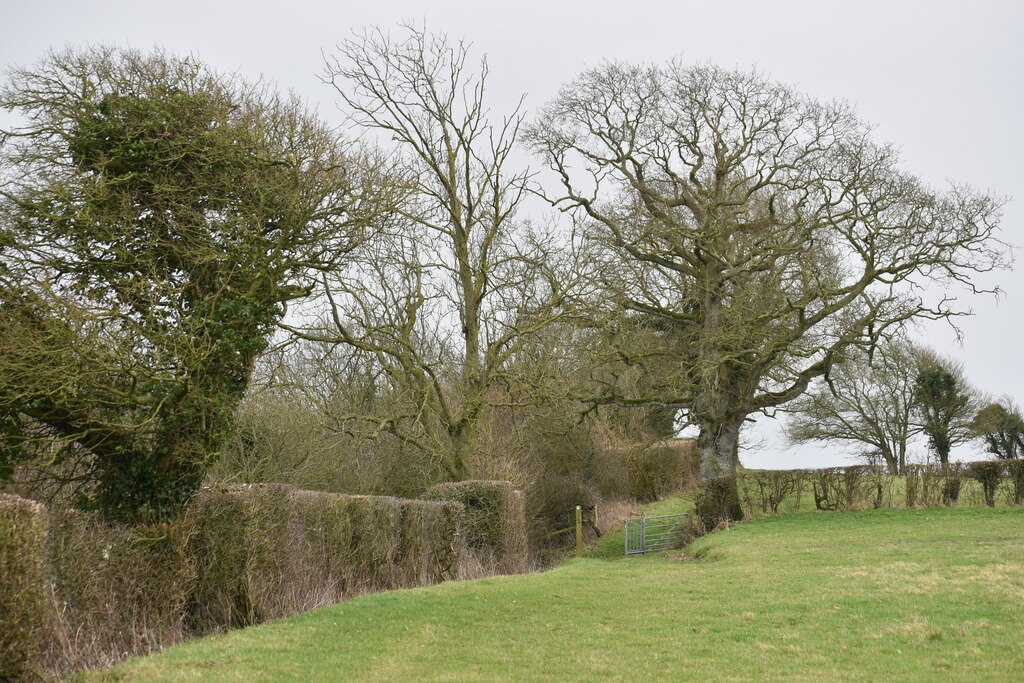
717 496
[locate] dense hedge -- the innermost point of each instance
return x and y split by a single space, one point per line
269 550
23 607
118 588
80 592
494 519
663 468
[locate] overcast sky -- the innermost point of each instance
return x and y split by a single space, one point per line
942 80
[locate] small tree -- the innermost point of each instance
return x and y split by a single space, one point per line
867 401
1000 426
156 219
944 402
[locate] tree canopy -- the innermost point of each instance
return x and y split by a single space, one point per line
156 219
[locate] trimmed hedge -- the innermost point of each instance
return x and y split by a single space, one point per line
265 551
494 519
988 474
858 487
1015 470
119 589
23 607
80 592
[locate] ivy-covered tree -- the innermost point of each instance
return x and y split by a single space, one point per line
155 220
945 403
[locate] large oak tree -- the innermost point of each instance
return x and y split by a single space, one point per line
767 231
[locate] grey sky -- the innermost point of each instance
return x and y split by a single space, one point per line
942 80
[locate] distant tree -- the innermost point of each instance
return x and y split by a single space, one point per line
945 403
769 229
1000 426
155 220
866 401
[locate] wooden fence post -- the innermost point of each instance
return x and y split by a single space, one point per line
579 531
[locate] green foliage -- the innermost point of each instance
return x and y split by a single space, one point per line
24 617
944 402
160 217
1001 427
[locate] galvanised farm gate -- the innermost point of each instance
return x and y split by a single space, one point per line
650 534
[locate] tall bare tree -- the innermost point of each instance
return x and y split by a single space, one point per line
444 299
767 229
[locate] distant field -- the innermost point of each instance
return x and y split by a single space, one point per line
888 491
896 595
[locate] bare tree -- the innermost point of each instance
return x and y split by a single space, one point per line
443 300
766 229
867 402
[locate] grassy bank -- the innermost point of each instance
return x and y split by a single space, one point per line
881 594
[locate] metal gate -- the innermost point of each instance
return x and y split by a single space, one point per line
650 534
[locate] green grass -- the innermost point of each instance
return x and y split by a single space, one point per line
877 595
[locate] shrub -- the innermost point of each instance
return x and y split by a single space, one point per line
988 475
653 471
494 519
556 500
912 478
827 488
119 590
611 473
1015 468
951 490
23 607
772 487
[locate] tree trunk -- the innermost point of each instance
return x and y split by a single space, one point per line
717 496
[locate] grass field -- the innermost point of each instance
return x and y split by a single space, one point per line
875 595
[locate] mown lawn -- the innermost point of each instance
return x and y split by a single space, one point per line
896 595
